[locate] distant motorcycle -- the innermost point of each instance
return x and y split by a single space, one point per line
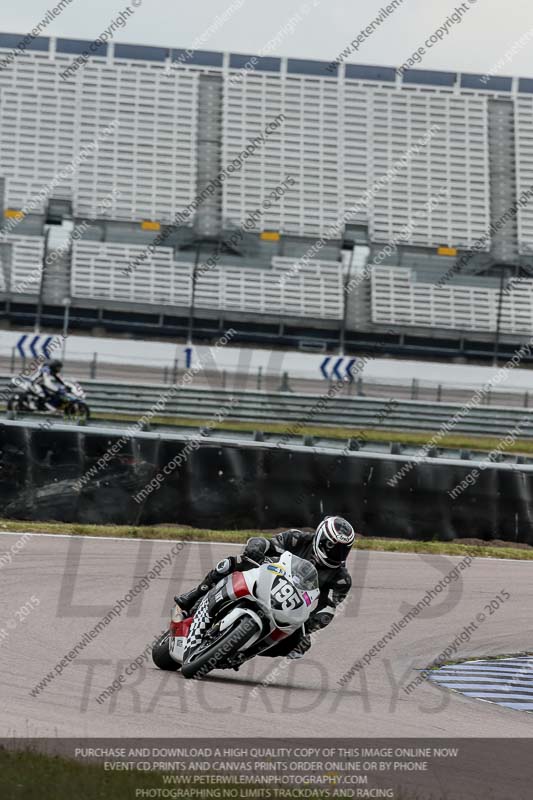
70 401
243 616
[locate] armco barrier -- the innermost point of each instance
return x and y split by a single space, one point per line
53 475
346 411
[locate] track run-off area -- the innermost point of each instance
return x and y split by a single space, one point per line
56 589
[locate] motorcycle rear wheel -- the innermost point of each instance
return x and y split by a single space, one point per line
160 655
214 654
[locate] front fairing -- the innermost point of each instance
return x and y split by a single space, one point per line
273 589
285 608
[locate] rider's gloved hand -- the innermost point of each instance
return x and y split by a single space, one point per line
255 549
319 621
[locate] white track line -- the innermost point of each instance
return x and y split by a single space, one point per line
111 538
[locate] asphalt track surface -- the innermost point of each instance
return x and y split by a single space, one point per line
77 580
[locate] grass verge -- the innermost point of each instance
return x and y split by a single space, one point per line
455 441
458 441
32 776
467 659
472 548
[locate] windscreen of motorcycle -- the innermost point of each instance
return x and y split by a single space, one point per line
289 589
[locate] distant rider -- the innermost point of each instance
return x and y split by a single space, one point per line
47 384
328 549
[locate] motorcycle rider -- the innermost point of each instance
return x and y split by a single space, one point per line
327 549
47 383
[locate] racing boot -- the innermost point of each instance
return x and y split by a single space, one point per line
188 600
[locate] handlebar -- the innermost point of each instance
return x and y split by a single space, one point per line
247 558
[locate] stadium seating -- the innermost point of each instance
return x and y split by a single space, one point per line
48 122
413 160
23 273
524 169
316 296
99 270
313 289
399 299
341 136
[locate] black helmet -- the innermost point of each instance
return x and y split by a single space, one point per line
333 541
55 366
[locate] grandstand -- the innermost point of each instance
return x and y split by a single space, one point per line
400 211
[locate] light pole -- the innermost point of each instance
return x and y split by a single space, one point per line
193 292
499 318
342 338
39 310
66 304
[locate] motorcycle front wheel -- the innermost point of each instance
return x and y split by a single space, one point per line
204 659
77 412
13 406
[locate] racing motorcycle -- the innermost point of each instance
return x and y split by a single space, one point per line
243 616
70 401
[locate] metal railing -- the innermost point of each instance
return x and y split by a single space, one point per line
152 370
303 410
